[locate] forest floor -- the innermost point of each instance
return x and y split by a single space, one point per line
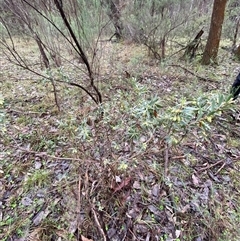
142 166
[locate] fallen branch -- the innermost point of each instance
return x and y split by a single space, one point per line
105 237
166 160
192 47
192 73
210 166
44 154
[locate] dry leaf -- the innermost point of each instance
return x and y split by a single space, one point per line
123 184
85 239
195 180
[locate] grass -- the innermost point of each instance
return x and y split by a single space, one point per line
162 162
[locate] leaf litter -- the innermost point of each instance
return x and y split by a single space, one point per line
55 186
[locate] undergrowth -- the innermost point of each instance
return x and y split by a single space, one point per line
143 165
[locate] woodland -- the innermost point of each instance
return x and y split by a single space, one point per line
118 120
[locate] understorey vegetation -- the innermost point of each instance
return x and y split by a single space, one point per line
110 126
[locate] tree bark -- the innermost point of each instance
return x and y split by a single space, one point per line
211 49
237 52
236 32
115 16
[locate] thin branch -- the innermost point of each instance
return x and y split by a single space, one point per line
82 53
192 73
44 154
53 24
105 237
26 67
76 46
210 166
166 160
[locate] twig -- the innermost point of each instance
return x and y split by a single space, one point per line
44 154
192 73
26 112
55 94
166 160
177 157
79 202
223 165
210 166
79 193
99 225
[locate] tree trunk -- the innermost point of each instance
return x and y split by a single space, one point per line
211 49
237 52
236 32
115 16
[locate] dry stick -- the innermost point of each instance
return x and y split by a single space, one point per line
98 223
79 192
223 165
140 153
102 231
148 236
236 32
191 48
44 154
192 73
210 166
55 93
125 235
79 200
166 160
178 157
25 112
133 234
166 172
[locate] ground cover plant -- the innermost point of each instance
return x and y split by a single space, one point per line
162 162
156 159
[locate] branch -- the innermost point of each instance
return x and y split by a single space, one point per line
21 63
192 73
75 45
82 53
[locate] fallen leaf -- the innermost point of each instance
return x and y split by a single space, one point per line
178 233
123 184
136 185
85 239
195 180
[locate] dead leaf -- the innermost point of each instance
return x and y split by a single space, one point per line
155 113
128 75
178 233
85 239
136 185
195 180
123 184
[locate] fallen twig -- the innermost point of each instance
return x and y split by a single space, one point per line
44 154
210 166
223 165
166 160
26 112
192 73
105 238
